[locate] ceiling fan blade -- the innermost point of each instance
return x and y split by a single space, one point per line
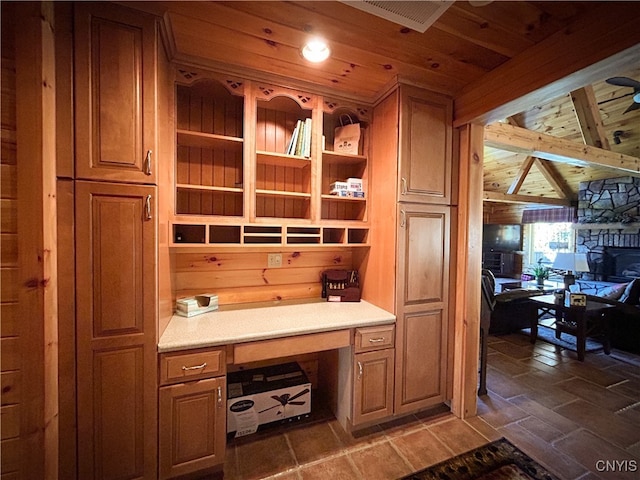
633 106
296 403
299 394
623 82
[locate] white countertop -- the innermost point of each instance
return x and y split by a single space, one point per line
238 325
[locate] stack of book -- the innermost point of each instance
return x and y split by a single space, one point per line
300 142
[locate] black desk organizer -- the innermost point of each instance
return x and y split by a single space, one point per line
341 286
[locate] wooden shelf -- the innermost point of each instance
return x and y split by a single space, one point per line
282 159
335 198
278 193
208 188
332 157
190 138
605 226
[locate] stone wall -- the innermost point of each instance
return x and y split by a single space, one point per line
613 203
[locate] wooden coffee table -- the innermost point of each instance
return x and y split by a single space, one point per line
578 321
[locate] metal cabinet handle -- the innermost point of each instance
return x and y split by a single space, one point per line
196 367
219 397
403 219
147 208
359 370
403 188
376 340
147 163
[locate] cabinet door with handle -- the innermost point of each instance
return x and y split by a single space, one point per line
116 292
115 93
425 146
373 386
192 427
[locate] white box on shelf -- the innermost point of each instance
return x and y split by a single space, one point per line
354 184
188 307
338 187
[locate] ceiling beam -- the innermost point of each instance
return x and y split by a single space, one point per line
520 140
506 198
523 171
589 118
553 177
606 39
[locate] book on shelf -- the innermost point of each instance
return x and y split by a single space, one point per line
291 148
306 143
299 141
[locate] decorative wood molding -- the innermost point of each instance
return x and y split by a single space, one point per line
520 140
506 198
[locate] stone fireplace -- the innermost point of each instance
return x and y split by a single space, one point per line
608 228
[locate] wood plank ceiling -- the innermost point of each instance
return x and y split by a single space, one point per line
467 44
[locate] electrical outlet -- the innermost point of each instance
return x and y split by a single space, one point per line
274 260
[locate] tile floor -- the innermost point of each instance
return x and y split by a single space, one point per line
567 415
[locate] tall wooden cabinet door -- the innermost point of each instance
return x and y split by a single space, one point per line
425 146
115 93
422 306
115 331
192 427
373 386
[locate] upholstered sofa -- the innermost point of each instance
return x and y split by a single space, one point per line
624 320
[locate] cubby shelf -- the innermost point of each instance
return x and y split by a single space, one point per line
208 188
329 156
279 193
335 198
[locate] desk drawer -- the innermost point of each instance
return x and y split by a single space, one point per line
374 338
184 367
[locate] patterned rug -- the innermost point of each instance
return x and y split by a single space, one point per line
567 341
499 460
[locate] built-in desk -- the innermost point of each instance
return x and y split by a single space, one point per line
196 352
237 325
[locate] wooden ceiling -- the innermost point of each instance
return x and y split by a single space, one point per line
520 60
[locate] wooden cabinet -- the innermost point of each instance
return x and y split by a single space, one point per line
116 298
374 374
425 162
192 416
407 269
115 94
238 181
422 306
499 263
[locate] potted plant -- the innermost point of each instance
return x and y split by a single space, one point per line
541 273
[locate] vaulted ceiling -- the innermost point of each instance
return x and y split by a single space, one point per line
537 65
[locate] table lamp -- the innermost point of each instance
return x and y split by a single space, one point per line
571 262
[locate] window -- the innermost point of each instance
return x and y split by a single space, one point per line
542 241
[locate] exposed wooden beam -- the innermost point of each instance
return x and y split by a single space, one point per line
521 175
589 118
607 39
520 140
506 198
553 177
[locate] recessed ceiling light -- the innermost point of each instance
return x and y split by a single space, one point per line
316 50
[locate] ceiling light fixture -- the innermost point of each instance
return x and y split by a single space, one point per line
316 50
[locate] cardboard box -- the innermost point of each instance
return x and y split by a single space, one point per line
279 393
337 187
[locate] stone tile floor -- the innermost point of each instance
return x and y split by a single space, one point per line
581 420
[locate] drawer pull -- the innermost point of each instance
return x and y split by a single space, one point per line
376 340
197 367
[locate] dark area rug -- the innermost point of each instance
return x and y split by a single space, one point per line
567 341
499 460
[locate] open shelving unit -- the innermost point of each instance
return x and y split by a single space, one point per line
235 183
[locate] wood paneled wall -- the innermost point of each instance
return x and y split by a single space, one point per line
241 277
11 359
493 212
